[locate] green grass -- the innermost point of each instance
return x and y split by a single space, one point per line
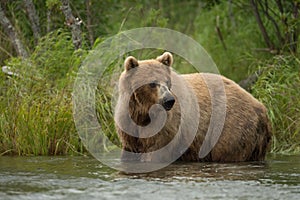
278 88
36 107
37 119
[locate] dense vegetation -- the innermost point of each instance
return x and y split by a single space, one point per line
254 41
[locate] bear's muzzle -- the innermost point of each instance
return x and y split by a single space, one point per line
168 102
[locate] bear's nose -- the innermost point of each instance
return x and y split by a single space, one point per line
168 103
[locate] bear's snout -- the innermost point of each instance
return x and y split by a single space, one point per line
168 102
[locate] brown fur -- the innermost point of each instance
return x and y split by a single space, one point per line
246 133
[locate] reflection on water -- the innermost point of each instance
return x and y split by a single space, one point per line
86 178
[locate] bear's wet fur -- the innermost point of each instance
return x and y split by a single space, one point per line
246 133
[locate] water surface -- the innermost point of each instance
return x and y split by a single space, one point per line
86 178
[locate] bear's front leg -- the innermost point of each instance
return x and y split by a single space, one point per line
127 156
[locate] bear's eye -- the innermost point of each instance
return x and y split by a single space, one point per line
153 84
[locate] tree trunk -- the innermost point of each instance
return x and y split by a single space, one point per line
34 19
12 34
89 21
231 15
73 23
261 25
48 20
295 32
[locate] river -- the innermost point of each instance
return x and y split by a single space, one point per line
79 177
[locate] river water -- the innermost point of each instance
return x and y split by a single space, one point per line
82 177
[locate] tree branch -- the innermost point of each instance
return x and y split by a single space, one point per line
89 21
261 25
73 23
48 29
218 30
12 34
231 15
279 4
277 30
33 18
295 33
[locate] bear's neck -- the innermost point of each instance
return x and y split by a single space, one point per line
138 113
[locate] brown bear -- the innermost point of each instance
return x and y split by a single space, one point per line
156 110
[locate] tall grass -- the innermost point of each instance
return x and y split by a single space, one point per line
279 89
36 106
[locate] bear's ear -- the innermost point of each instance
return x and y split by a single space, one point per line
166 59
130 62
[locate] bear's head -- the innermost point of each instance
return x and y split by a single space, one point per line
146 83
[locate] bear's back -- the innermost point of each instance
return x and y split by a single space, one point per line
246 132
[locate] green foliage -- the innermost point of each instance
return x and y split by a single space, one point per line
278 88
106 97
51 4
240 37
37 108
53 54
104 110
37 105
281 21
